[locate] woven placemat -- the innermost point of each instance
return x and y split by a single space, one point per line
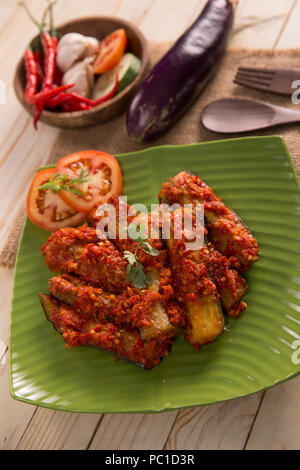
112 137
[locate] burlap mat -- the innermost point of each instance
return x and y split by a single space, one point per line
111 136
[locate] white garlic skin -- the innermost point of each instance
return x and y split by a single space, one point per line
93 46
82 75
72 48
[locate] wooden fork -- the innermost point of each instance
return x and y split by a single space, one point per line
274 81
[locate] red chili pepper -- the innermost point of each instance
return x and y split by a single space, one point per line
34 69
58 76
57 100
38 109
69 98
46 95
49 44
31 75
70 107
39 61
74 102
78 98
34 73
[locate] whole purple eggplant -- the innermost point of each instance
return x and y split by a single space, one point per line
177 79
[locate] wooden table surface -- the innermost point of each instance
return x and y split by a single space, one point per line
269 420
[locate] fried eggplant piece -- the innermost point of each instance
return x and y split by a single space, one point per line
225 229
158 272
122 341
195 289
165 317
230 285
79 251
84 298
134 307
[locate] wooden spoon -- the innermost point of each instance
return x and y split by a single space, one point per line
233 115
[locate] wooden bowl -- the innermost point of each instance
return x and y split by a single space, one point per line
98 27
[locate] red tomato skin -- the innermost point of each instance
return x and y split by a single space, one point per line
31 208
94 156
110 59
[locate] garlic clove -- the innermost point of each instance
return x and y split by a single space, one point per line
71 48
82 75
90 77
92 46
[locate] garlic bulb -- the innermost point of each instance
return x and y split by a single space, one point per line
82 75
93 46
72 48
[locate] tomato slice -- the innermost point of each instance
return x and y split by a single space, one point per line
46 209
111 52
104 178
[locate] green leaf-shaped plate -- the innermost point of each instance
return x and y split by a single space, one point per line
256 178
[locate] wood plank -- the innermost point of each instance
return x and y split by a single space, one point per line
166 21
277 423
8 8
15 416
57 430
11 41
289 38
265 34
133 432
131 10
277 426
30 151
6 283
219 427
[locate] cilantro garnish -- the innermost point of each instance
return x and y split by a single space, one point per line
61 182
135 270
